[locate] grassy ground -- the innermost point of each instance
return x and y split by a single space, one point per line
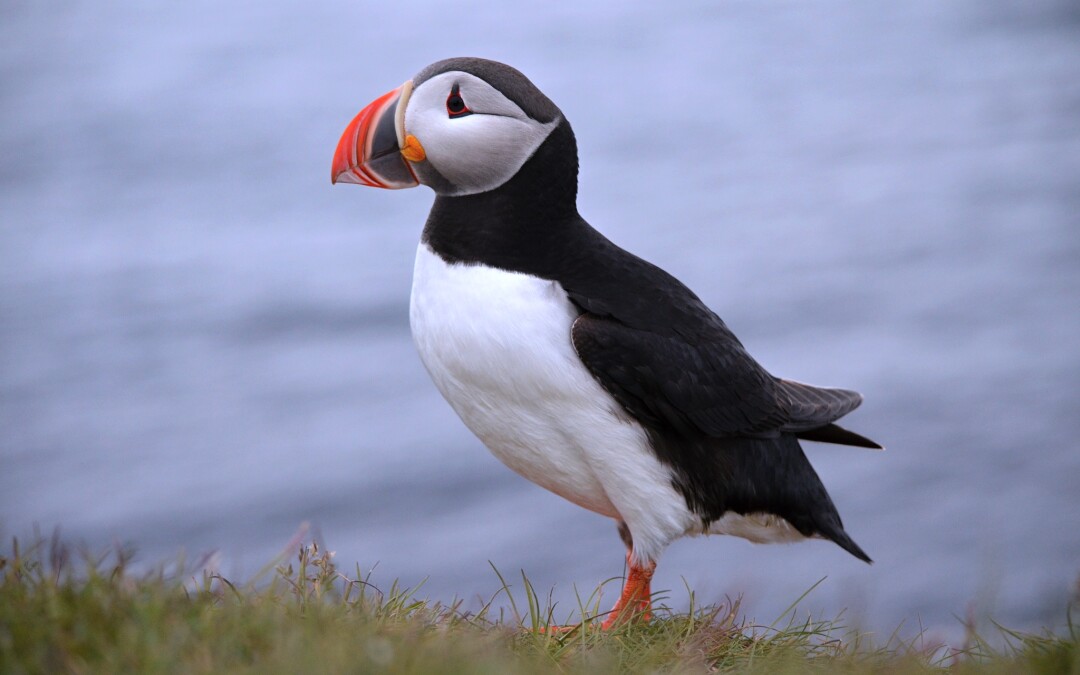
303 615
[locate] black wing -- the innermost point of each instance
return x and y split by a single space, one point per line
709 384
811 407
663 380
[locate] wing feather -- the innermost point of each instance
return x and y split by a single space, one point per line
713 387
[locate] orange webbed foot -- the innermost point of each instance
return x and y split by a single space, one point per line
634 605
635 602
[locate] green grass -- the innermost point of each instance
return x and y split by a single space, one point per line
94 614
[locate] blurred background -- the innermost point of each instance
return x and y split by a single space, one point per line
203 344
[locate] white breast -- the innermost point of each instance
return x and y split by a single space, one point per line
497 344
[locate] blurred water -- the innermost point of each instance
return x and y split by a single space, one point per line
202 344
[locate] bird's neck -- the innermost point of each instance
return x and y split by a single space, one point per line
523 225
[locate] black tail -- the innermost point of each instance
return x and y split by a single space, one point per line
754 475
833 530
834 433
814 511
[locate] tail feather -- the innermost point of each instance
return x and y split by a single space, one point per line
754 476
832 529
834 433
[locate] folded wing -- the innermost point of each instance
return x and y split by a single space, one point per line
709 386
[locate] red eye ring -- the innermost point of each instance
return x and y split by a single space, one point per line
455 105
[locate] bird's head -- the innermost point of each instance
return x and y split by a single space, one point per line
462 126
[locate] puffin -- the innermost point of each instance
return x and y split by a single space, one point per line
582 367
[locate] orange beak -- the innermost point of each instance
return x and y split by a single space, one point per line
369 152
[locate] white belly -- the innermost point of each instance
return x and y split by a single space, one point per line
497 344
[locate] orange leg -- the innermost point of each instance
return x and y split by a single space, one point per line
634 602
633 605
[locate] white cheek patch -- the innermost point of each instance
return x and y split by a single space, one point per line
477 152
481 152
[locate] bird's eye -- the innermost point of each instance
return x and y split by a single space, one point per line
455 105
